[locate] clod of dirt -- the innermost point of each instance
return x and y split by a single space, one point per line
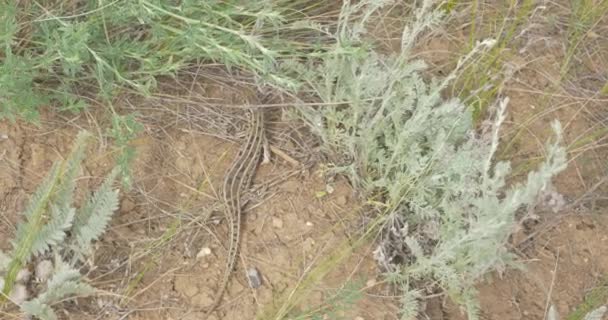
126 205
309 244
277 223
202 300
39 157
185 286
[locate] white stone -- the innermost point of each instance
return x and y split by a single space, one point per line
205 251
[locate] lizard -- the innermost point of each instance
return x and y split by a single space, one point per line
237 179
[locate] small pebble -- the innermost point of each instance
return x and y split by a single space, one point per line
205 251
329 188
277 223
309 224
126 205
3 136
341 200
370 283
309 244
255 279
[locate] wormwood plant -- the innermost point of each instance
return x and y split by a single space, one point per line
448 209
53 229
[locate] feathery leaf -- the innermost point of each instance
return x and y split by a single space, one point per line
93 219
54 231
67 183
27 231
38 309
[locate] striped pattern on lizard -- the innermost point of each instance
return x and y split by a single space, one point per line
236 181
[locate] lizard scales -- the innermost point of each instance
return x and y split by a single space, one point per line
237 179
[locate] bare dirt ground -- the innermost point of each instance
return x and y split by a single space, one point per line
165 251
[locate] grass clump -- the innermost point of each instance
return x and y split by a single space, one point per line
481 80
55 239
594 299
448 209
79 53
63 52
585 15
